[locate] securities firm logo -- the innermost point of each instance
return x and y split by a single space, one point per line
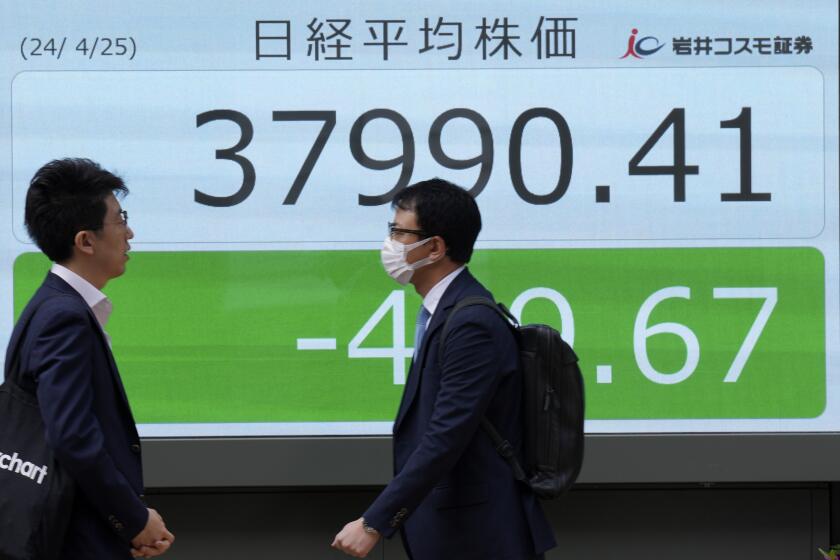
641 47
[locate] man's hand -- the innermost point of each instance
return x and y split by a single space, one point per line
149 551
354 540
154 539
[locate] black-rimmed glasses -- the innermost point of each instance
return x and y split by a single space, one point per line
393 230
124 221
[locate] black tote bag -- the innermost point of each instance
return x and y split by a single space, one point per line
36 496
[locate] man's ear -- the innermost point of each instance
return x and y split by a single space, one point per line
439 248
84 241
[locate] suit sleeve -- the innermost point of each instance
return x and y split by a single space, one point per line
61 361
469 377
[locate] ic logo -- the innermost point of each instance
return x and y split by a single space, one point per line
636 47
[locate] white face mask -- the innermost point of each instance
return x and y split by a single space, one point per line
393 259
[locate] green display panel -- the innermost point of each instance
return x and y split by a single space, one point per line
324 336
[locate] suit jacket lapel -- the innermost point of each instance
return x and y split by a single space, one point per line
447 302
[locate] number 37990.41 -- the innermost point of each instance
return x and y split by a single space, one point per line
483 159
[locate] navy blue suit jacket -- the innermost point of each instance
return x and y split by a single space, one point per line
452 495
66 359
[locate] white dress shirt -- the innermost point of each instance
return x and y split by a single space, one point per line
432 299
96 300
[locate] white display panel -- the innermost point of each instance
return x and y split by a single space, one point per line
667 148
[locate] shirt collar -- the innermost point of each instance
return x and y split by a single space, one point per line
432 299
96 300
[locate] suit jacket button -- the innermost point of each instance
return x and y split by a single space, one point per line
135 447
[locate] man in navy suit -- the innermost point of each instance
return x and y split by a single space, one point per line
74 217
452 495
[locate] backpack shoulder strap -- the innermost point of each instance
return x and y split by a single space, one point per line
13 376
474 300
505 449
503 446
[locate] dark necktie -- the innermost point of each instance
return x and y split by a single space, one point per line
420 329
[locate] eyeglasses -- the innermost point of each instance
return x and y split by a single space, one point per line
394 230
123 222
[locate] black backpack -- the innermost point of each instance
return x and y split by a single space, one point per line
552 406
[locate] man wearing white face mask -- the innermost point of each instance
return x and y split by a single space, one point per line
452 496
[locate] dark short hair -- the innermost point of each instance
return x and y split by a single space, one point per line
444 209
67 196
